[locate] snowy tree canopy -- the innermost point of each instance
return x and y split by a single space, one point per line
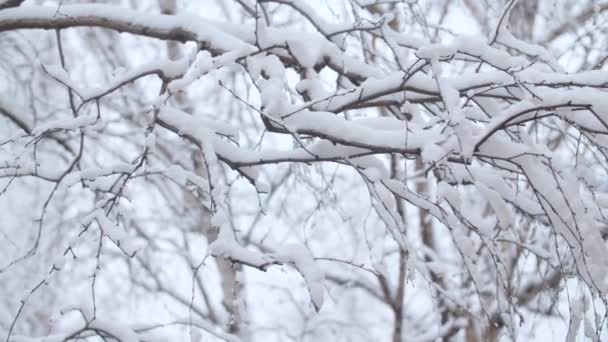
354 170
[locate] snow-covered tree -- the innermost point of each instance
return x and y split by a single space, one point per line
303 170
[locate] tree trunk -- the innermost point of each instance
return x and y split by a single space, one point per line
231 287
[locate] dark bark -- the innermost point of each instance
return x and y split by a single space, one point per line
9 3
